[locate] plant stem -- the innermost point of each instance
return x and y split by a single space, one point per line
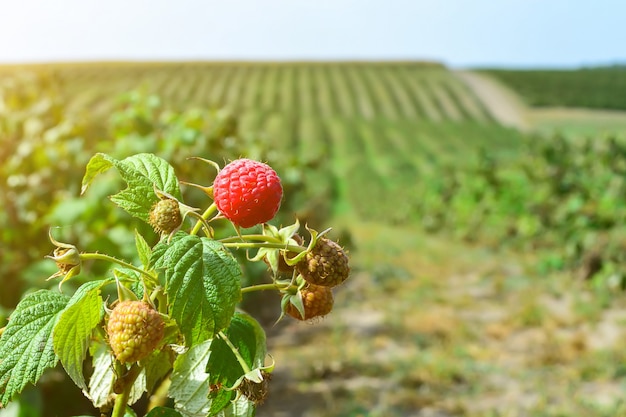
261 287
260 238
207 213
121 400
240 359
255 245
119 409
103 257
159 398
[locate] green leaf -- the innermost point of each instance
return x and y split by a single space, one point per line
72 333
143 249
129 412
98 164
101 381
190 383
163 412
242 407
190 386
156 367
142 173
203 284
223 366
26 348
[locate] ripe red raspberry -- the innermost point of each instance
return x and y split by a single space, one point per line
135 329
317 301
327 264
247 192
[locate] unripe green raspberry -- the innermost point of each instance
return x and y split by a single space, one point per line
165 216
135 329
326 265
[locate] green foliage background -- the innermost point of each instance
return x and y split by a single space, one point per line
396 143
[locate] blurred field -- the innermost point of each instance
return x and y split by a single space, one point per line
473 240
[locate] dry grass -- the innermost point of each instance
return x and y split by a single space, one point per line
427 327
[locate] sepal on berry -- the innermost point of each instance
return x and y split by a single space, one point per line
324 262
207 190
309 302
315 235
67 259
168 214
123 292
276 259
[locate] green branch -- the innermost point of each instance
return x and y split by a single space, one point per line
107 258
127 381
261 287
258 245
259 238
205 216
240 359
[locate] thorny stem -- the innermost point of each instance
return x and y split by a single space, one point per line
240 359
103 257
207 213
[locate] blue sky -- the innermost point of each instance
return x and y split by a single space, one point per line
460 33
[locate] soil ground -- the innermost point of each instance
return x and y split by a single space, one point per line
429 327
503 104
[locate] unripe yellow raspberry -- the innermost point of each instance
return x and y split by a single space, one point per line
135 329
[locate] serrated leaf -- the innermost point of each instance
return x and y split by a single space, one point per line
142 173
101 381
143 249
203 284
190 386
157 366
163 412
98 164
245 333
72 332
242 407
26 348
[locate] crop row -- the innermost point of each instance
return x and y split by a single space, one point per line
599 88
369 131
374 168
394 91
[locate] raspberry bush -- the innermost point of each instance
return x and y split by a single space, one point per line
168 323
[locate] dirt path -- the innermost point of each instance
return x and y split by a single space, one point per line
502 103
